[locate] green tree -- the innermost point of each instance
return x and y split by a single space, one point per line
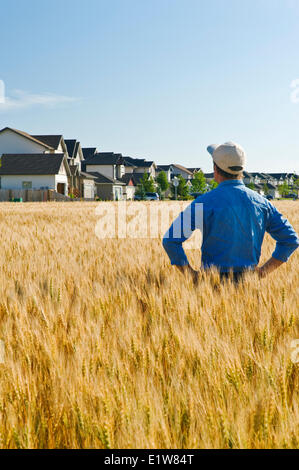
182 190
283 189
251 186
213 184
148 183
162 181
199 183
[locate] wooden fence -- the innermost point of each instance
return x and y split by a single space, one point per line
31 195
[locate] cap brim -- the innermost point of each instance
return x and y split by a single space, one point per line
211 148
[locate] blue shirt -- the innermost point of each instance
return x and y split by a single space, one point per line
234 223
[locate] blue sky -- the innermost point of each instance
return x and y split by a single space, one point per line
157 79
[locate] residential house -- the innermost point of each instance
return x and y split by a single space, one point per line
81 184
108 168
29 166
167 169
181 170
35 171
140 165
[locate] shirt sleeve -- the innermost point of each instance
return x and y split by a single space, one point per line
181 229
281 230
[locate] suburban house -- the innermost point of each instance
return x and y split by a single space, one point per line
174 170
108 168
34 171
26 162
139 165
167 169
81 184
181 170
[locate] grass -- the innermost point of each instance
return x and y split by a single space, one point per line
108 346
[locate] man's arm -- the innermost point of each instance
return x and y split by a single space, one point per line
269 267
287 241
180 230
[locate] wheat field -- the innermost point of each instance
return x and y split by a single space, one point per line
108 346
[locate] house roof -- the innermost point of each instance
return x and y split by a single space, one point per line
31 164
181 167
87 175
88 152
163 167
70 145
105 158
193 170
51 140
138 162
104 179
126 178
28 136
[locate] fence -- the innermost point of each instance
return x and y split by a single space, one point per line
31 195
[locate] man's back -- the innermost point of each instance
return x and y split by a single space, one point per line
235 219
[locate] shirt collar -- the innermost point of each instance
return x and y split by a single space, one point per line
231 182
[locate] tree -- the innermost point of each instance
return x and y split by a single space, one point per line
148 183
182 189
251 186
199 183
213 184
283 189
162 181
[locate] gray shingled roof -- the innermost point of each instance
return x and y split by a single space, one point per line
31 164
88 152
104 179
139 162
51 140
105 158
70 145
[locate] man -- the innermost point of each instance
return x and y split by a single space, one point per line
234 222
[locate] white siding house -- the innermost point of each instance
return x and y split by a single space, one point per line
34 171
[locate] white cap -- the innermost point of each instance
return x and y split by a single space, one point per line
230 157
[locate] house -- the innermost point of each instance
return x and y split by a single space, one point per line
181 170
130 181
54 141
81 184
15 141
139 165
108 168
35 171
108 189
167 169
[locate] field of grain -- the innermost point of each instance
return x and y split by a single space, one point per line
108 346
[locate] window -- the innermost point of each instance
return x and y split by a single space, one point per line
27 184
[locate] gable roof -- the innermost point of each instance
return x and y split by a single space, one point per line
104 179
163 167
138 162
88 152
105 158
51 140
181 167
127 177
28 136
70 145
31 164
